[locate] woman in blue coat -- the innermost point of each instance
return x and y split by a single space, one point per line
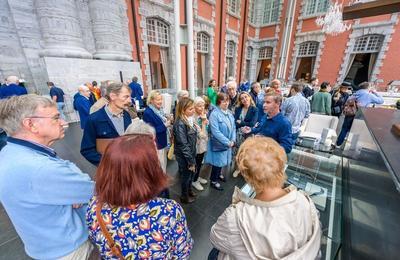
246 112
155 116
222 139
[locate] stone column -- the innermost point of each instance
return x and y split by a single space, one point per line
60 29
110 29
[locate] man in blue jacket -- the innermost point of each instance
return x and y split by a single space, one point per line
82 104
107 123
12 88
274 124
44 195
137 92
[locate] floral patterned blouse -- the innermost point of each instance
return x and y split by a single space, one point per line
154 230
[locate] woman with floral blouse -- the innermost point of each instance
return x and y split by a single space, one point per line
126 219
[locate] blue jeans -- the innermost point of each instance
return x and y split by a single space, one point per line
60 108
3 138
347 123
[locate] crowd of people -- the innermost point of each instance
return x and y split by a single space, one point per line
126 213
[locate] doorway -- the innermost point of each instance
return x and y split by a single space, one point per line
361 68
265 70
305 68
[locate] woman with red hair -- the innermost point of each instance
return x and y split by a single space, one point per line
126 219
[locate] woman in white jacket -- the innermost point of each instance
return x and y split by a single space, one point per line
279 223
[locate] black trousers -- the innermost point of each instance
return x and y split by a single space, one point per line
215 172
186 176
199 163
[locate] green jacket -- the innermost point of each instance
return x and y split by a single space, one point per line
321 103
212 95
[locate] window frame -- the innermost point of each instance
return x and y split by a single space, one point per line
308 46
230 52
203 42
234 7
265 53
269 11
159 34
367 39
316 9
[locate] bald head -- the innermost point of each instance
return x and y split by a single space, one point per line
12 80
84 90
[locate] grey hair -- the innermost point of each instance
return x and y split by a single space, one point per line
139 127
198 100
116 87
182 93
233 83
17 108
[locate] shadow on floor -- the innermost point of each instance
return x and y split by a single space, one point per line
201 215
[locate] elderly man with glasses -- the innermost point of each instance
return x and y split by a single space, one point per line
43 195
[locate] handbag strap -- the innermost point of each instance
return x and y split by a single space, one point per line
110 241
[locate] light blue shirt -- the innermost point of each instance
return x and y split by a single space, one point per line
296 108
365 98
37 190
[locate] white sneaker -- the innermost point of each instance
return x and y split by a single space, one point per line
236 173
197 185
202 181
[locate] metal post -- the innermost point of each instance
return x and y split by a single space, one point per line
177 58
190 58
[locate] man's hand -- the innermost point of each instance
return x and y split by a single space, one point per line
238 121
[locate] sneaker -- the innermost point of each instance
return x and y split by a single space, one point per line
216 185
236 173
202 181
197 185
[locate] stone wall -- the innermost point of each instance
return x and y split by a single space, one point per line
80 33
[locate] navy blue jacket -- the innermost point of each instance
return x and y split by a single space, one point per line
155 121
99 126
137 92
278 128
82 105
12 90
249 120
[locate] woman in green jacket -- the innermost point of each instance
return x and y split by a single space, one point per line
212 91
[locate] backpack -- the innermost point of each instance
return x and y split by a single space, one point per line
350 107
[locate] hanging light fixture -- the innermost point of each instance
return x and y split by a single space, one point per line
332 23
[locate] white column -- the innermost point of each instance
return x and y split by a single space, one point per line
190 58
110 30
177 46
287 36
60 28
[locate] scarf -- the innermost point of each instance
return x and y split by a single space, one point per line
159 112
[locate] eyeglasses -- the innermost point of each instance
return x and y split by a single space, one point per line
55 117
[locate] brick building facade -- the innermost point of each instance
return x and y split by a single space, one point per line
261 40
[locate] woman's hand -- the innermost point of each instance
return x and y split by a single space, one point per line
192 168
238 121
231 144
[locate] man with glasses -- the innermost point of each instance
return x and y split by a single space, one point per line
42 194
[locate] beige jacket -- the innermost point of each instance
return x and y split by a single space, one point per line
286 228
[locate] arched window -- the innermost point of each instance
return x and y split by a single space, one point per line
202 42
265 53
157 32
308 49
368 43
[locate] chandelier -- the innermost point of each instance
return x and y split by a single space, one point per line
332 23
